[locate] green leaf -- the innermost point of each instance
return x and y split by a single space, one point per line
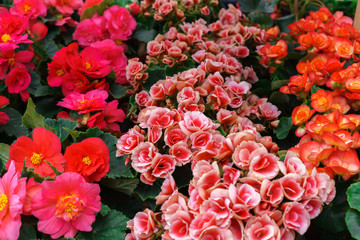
124 185
111 226
284 127
352 220
149 191
144 35
99 8
74 134
104 210
117 165
278 84
27 232
4 155
45 91
171 71
32 119
332 218
261 19
47 106
266 6
35 82
14 126
117 91
155 74
61 126
284 22
353 195
314 89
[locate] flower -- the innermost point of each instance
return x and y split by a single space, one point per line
261 227
301 114
84 103
44 147
143 225
66 205
18 79
120 23
90 30
89 158
12 197
65 7
29 8
87 4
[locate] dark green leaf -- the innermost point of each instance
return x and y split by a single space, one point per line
353 195
35 82
279 99
74 134
144 35
117 165
352 220
149 191
171 71
117 91
284 127
104 210
261 19
47 106
14 126
265 6
332 218
124 185
111 226
4 155
45 91
61 126
27 232
314 89
278 84
284 22
99 9
155 74
32 119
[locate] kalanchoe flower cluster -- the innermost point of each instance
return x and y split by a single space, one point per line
276 199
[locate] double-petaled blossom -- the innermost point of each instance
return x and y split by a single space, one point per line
66 205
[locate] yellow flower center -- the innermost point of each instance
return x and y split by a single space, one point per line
27 7
118 42
87 65
5 38
60 72
69 206
86 160
36 158
11 61
3 201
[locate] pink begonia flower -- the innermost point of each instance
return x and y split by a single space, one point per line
65 7
91 30
143 225
296 217
142 156
66 205
262 227
84 103
29 8
120 23
12 197
8 58
18 79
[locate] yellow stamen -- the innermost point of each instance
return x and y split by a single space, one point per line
86 160
27 8
69 206
5 38
60 72
36 158
3 201
11 61
87 65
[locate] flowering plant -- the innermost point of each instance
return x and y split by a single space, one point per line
176 120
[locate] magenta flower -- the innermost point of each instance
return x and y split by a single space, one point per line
84 103
66 205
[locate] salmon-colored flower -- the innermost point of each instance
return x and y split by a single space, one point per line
344 163
12 197
322 100
301 114
89 158
44 147
344 47
66 205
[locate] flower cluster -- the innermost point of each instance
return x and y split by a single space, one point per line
63 206
230 204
